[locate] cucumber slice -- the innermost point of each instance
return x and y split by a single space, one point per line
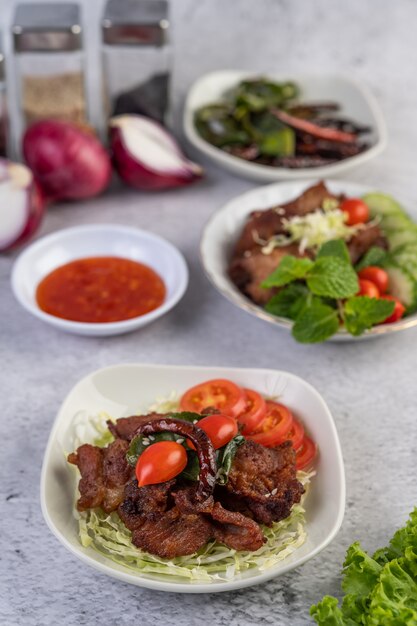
406 257
398 238
391 223
381 204
403 286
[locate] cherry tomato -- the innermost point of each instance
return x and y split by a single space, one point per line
305 455
254 411
274 427
220 394
366 288
296 434
357 211
160 462
219 428
376 275
398 312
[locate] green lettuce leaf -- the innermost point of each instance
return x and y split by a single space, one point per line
328 613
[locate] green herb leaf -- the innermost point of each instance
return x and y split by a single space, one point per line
225 458
374 256
289 302
290 268
362 312
335 247
316 323
333 277
137 446
186 416
192 469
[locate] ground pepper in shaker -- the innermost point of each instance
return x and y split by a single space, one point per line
136 58
3 107
49 64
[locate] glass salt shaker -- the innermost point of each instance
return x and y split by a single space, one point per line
3 106
49 63
136 58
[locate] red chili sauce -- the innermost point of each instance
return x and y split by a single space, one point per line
100 289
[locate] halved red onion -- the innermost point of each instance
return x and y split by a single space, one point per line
21 205
146 156
69 163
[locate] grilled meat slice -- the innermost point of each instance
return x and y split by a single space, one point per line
141 503
173 534
263 482
264 224
248 272
360 243
235 530
157 526
126 427
104 473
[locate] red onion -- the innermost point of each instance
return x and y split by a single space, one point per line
68 162
21 204
146 156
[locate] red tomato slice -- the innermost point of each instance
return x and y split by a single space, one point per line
296 434
305 455
398 312
368 288
254 411
160 462
356 210
274 427
376 275
220 394
219 428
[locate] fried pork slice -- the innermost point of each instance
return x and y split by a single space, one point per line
264 224
249 271
235 530
104 474
125 427
262 482
360 243
165 533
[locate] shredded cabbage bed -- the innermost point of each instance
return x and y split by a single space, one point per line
107 534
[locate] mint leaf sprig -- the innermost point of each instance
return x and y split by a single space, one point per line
320 296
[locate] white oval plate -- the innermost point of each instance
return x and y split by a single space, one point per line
355 99
224 227
54 250
125 389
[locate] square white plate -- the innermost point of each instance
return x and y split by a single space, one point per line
125 389
357 103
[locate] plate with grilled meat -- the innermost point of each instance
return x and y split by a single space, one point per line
193 479
280 127
327 260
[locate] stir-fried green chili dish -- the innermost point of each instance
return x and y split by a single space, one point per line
268 122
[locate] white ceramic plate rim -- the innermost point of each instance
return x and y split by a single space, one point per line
286 192
194 587
268 173
108 327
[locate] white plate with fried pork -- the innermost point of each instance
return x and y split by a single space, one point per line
123 390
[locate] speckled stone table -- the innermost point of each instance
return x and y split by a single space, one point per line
370 387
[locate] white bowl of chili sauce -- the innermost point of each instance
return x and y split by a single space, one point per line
100 279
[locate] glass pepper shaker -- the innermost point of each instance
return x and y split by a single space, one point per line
136 58
3 106
49 64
